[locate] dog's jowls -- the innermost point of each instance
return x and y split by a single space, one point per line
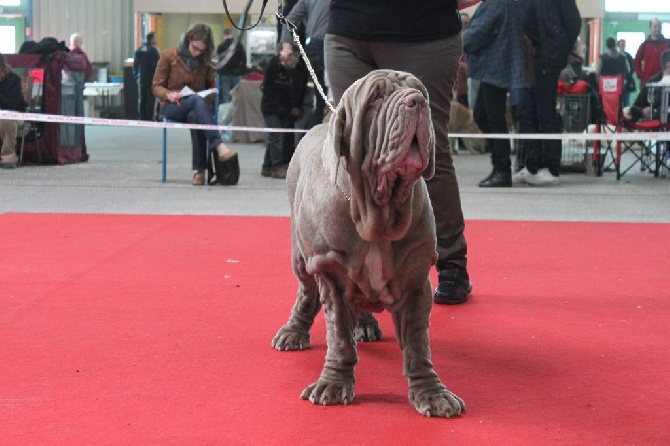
363 235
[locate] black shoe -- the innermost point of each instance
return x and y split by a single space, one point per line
497 179
454 286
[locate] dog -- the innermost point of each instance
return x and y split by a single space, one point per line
363 235
461 121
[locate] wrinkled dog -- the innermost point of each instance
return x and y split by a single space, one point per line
363 235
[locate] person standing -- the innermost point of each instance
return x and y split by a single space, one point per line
552 27
11 98
144 67
423 38
647 62
613 62
231 73
314 13
76 42
283 92
187 65
495 49
629 83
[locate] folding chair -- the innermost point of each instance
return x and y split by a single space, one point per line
31 130
216 113
611 120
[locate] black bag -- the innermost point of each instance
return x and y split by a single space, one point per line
226 173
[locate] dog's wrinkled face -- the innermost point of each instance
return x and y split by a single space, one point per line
383 128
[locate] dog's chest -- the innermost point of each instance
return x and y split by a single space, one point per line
377 271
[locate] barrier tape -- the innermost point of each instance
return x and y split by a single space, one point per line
62 119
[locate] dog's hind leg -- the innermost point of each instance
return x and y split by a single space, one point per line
295 334
426 392
367 329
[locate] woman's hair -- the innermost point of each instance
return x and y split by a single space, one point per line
4 68
200 33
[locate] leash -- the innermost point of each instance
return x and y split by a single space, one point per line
221 59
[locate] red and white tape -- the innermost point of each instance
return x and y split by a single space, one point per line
61 119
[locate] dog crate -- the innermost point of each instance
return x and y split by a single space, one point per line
574 112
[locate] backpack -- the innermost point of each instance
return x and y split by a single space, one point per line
225 173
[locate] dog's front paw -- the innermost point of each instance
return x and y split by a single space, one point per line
367 329
326 393
291 338
438 403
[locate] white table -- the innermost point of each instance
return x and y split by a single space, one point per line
107 91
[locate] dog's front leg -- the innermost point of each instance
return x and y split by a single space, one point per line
336 383
426 392
295 334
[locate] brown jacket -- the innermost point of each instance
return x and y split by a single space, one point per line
172 74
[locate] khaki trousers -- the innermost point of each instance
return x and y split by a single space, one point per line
8 132
436 64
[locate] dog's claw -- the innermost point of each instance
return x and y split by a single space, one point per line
367 329
328 393
441 404
291 338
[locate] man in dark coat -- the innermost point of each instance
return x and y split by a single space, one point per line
552 26
144 67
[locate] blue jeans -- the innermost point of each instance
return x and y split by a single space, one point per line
274 148
226 83
195 110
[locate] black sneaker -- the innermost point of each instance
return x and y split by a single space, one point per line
454 286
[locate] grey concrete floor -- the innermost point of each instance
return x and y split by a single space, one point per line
123 176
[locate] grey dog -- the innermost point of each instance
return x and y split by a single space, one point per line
363 235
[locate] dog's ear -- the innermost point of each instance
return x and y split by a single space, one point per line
336 145
430 142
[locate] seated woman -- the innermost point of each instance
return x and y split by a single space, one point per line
188 65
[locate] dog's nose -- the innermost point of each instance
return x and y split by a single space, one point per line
414 100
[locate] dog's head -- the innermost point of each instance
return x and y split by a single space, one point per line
382 131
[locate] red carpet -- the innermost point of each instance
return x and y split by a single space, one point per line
156 330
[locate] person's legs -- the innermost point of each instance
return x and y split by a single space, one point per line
548 121
495 104
8 132
347 61
274 148
527 123
314 52
196 110
147 102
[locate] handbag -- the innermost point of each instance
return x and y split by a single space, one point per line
225 173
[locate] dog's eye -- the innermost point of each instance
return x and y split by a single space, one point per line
376 99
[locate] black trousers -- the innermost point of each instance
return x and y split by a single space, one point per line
489 114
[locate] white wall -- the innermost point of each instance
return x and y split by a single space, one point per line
107 26
202 6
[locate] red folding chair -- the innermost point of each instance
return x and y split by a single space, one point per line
612 121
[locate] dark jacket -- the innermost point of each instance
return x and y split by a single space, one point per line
394 21
144 65
11 97
495 47
614 63
283 89
237 65
553 27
